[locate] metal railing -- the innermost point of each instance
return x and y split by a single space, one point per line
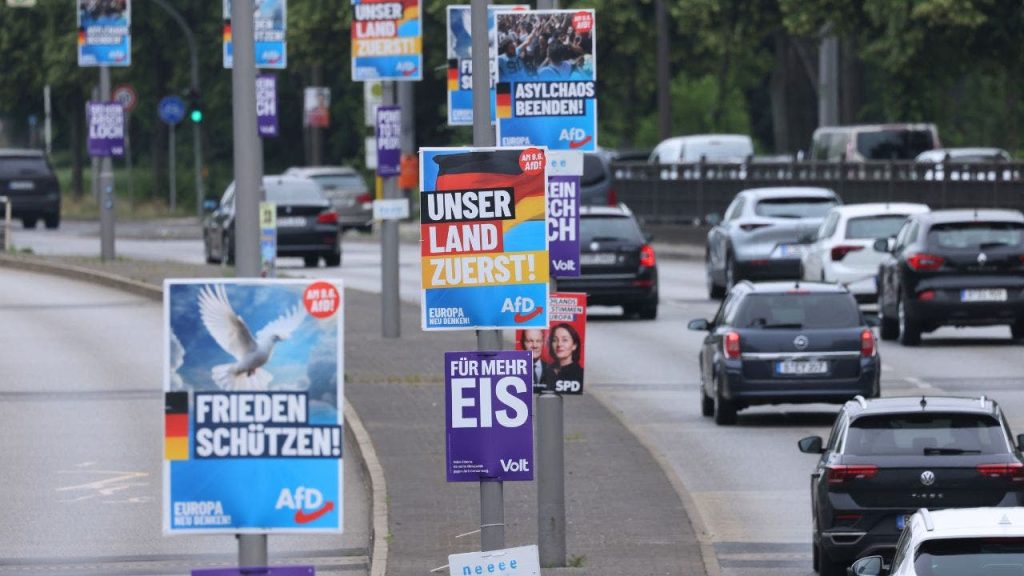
5 226
687 193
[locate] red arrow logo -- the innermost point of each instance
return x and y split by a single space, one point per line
520 318
302 517
580 143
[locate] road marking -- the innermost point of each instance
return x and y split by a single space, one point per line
919 383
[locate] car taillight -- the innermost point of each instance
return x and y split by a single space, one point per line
926 295
365 198
647 256
327 217
867 343
613 197
752 227
925 262
731 345
1013 471
840 252
839 473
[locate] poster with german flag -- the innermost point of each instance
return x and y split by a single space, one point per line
484 247
460 60
547 77
270 31
104 33
387 40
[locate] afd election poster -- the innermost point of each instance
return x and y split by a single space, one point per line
270 22
483 238
104 33
106 129
253 386
556 354
565 169
547 78
387 40
460 60
489 425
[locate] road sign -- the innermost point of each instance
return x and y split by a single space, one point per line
171 109
126 95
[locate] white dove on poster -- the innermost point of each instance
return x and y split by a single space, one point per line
232 334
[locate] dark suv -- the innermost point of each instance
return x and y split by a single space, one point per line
953 268
28 181
888 457
785 342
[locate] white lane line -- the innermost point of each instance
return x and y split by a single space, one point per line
919 383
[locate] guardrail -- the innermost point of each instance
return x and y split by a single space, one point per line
5 226
687 193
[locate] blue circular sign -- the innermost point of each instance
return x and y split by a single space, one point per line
171 109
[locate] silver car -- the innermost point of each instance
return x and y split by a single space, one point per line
763 235
347 191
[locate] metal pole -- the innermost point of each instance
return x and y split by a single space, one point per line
664 100
128 156
94 161
492 504
391 326
550 480
828 79
252 548
172 168
106 185
246 156
47 125
315 132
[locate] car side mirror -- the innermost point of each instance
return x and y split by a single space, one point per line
883 245
808 238
209 205
811 445
866 566
648 237
872 320
713 219
699 325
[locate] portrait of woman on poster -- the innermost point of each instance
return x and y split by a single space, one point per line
564 348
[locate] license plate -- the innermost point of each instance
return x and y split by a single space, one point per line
901 521
986 295
22 185
789 251
801 367
598 258
291 222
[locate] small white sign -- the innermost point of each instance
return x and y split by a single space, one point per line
521 561
391 209
565 163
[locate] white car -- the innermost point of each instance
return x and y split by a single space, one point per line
955 542
966 163
843 252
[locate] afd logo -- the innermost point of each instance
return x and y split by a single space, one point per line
407 68
525 309
576 137
308 503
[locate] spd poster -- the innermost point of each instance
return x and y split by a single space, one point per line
104 33
253 394
270 22
556 354
547 78
483 239
387 40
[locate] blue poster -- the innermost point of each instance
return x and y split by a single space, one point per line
547 78
270 24
387 40
483 226
104 33
253 394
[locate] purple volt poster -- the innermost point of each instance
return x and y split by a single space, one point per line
266 105
106 128
489 431
565 168
389 142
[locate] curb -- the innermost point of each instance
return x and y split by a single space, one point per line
363 444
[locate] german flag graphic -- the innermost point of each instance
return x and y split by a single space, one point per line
227 30
81 36
504 100
176 426
453 75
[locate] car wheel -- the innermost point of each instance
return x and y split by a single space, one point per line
715 291
209 255
333 260
888 328
725 410
1017 330
731 278
28 223
827 566
52 221
910 331
648 311
227 254
707 404
311 261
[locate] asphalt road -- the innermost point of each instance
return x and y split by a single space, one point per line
746 486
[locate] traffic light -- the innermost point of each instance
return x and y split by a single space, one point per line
195 107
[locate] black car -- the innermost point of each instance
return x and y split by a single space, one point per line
617 264
307 225
28 181
596 183
785 342
952 268
886 458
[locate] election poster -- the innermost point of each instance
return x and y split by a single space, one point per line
556 354
270 27
316 106
483 227
266 105
460 60
565 169
387 40
389 144
489 424
106 129
253 387
104 33
547 77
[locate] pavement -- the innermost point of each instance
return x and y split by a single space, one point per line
624 515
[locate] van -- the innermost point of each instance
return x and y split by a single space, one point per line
865 142
720 148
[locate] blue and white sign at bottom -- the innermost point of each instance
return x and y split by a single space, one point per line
521 561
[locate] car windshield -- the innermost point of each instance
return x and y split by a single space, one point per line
608 228
925 434
593 170
346 181
976 235
798 310
874 226
794 207
293 193
894 144
23 167
990 555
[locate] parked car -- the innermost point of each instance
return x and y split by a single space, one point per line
963 163
347 191
952 268
596 187
28 181
955 542
617 264
307 224
859 143
763 235
785 342
721 148
843 249
887 457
